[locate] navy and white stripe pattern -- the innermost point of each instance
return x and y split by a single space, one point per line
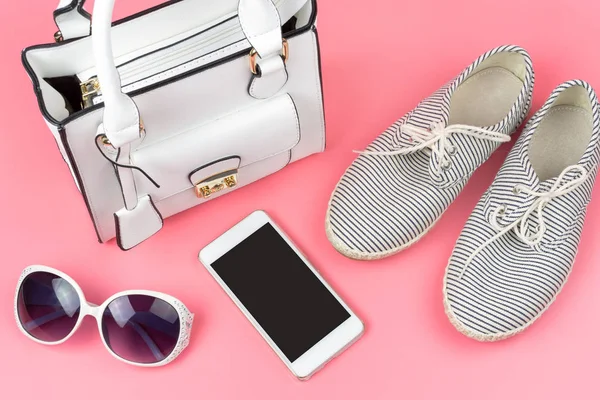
383 204
509 283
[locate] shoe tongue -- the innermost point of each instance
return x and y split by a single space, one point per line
470 153
516 171
547 185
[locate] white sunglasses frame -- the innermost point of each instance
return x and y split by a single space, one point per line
186 318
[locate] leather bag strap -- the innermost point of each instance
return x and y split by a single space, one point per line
261 25
73 21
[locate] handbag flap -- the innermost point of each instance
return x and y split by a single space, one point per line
254 134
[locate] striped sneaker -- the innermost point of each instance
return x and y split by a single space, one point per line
518 246
396 190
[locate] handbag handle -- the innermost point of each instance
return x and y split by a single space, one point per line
260 23
73 21
121 123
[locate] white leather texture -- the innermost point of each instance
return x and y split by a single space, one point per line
273 77
63 151
204 174
182 68
70 21
74 25
180 102
121 122
137 225
207 40
261 25
184 120
127 178
246 176
146 34
254 134
187 51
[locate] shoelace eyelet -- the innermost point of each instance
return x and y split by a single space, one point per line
446 165
452 151
535 233
519 226
400 134
502 210
516 190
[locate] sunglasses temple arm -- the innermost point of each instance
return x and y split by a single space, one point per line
30 325
35 323
149 342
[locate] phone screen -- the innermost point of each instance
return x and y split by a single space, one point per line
281 292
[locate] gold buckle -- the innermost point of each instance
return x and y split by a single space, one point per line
89 90
216 183
285 54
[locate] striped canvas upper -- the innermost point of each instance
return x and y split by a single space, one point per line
384 203
508 283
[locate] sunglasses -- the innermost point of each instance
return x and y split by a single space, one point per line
138 327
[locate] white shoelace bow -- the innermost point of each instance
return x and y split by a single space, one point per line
520 226
421 138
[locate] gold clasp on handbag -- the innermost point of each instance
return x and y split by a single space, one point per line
89 90
216 183
285 54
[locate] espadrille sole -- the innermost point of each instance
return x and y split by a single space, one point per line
491 337
346 251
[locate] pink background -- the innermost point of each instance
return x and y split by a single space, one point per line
379 59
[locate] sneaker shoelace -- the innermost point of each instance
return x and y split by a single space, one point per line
520 227
436 141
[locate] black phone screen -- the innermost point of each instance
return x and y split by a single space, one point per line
280 291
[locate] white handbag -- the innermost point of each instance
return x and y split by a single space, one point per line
179 104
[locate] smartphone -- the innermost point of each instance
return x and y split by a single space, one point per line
298 314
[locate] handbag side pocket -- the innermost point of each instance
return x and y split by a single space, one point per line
224 154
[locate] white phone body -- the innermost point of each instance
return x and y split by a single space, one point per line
324 350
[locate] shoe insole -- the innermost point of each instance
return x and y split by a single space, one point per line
485 98
560 140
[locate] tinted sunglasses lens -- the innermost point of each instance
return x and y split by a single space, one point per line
47 306
142 329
